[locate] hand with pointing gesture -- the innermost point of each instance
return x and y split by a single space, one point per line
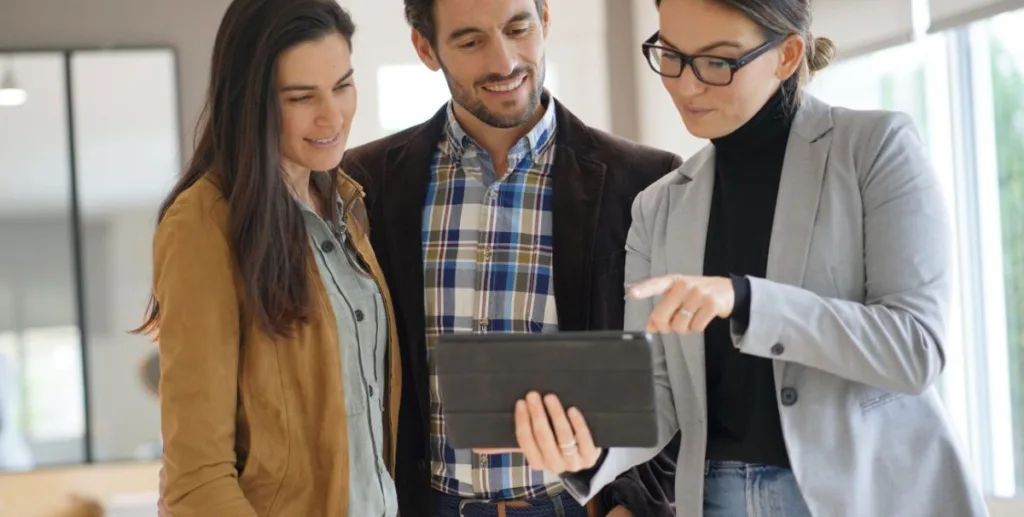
688 303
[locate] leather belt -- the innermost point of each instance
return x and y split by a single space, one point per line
503 506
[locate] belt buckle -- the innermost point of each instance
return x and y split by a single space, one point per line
501 505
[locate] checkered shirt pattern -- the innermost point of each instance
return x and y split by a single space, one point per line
487 244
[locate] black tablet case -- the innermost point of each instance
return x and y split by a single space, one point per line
607 375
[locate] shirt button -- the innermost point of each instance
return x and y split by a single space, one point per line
788 396
488 253
484 323
778 349
493 194
483 461
359 315
327 246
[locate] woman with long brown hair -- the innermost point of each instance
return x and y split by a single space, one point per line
279 364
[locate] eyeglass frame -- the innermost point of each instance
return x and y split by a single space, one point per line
735 64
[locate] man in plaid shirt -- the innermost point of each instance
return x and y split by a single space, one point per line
503 213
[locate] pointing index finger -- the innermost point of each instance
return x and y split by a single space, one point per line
652 287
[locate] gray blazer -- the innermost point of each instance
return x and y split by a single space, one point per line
852 313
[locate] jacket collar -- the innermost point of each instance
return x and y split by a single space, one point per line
813 120
532 144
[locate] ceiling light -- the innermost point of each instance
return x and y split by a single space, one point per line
10 93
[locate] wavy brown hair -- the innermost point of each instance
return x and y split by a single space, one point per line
239 149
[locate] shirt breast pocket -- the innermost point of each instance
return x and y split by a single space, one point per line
351 375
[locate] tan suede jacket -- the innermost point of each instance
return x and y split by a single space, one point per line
234 399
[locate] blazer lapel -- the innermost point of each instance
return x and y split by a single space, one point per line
577 183
803 171
406 175
687 227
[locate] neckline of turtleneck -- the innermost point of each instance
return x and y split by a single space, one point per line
765 130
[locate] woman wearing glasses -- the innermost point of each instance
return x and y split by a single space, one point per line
796 272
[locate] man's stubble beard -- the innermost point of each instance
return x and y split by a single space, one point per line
466 98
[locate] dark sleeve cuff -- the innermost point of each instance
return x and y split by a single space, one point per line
648 489
580 481
741 307
587 475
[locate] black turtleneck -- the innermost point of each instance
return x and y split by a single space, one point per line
743 416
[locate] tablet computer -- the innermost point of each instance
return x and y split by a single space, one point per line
608 375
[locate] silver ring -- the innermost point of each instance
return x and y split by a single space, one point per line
685 313
571 446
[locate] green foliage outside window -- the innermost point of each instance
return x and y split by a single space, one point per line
1008 97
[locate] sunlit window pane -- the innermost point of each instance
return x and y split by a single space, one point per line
1006 48
53 384
409 94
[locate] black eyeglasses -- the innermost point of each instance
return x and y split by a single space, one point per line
711 70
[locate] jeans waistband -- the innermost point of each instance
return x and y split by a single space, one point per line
710 465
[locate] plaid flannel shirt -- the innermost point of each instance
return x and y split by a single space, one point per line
487 248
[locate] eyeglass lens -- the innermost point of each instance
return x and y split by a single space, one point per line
707 69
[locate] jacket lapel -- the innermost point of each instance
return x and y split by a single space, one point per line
406 176
687 224
803 171
577 184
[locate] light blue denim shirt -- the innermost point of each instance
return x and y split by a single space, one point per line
363 336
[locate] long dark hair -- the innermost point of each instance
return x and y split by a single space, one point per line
239 148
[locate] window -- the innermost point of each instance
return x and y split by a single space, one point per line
41 390
997 51
409 94
53 384
15 453
41 397
80 202
119 194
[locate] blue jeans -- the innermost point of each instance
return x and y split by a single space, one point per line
561 505
734 489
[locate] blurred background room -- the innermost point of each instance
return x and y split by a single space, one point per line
98 100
